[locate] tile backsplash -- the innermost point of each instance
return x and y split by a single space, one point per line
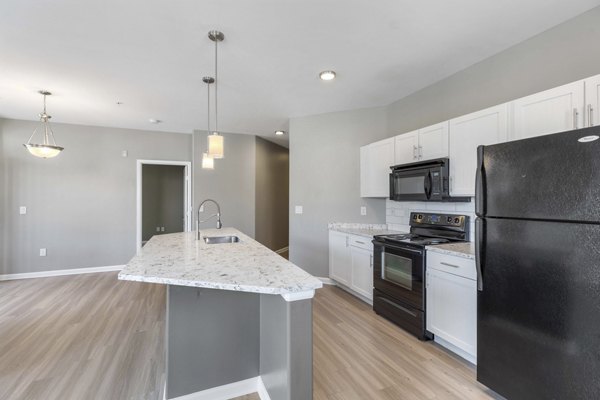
397 213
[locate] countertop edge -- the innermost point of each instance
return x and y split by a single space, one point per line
450 252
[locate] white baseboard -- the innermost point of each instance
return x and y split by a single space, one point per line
231 390
60 272
283 250
262 390
327 281
456 350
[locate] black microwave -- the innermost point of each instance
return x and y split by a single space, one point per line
422 181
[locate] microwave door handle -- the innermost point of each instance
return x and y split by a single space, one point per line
392 189
427 185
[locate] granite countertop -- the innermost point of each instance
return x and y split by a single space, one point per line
247 266
459 249
366 230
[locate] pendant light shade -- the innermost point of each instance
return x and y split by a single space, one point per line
215 145
216 148
47 147
207 161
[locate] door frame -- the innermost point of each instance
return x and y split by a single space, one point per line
187 195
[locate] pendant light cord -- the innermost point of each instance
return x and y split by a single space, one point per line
208 109
216 83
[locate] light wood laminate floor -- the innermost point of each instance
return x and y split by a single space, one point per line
94 337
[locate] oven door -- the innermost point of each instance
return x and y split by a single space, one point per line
398 272
411 185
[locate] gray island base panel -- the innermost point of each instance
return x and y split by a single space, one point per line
235 312
217 337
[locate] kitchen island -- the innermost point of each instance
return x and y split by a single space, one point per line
239 316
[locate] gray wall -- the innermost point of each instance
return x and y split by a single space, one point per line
563 54
162 199
81 204
325 179
231 183
324 174
272 194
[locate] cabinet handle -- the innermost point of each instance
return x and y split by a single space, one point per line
414 152
346 241
575 118
449 265
371 260
590 115
359 242
420 151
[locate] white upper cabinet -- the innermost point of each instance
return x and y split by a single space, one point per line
485 127
375 162
555 110
433 142
407 147
592 101
421 145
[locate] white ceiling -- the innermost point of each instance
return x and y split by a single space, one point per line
152 54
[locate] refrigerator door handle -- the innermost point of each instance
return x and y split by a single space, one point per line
479 184
479 251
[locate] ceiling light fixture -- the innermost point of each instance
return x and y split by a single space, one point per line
280 133
215 141
48 147
327 75
207 161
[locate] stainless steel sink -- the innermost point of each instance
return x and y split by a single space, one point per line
220 239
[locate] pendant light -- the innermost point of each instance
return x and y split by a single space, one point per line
215 141
207 161
47 148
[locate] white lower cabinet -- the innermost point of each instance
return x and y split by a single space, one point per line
351 263
452 305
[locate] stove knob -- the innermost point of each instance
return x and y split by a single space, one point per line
449 219
420 216
456 220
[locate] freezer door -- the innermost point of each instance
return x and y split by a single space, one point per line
552 177
539 310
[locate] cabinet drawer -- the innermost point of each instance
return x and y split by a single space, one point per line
454 265
361 242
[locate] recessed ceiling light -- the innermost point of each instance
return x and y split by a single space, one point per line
280 133
327 75
119 103
154 121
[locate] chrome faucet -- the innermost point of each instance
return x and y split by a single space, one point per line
218 215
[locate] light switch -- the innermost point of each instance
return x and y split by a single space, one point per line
299 210
22 210
124 153
363 210
42 252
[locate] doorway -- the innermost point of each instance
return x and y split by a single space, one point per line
163 198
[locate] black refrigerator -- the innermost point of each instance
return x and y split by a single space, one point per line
538 263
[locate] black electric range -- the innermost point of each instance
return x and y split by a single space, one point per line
399 267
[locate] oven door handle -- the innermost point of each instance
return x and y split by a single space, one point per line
385 245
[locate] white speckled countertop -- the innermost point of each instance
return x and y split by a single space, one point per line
366 230
459 249
247 266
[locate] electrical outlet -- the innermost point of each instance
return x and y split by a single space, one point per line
42 252
299 210
22 210
158 229
363 210
162 228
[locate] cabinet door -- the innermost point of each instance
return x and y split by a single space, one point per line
592 101
407 147
555 110
340 262
489 126
433 141
375 162
362 271
452 309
